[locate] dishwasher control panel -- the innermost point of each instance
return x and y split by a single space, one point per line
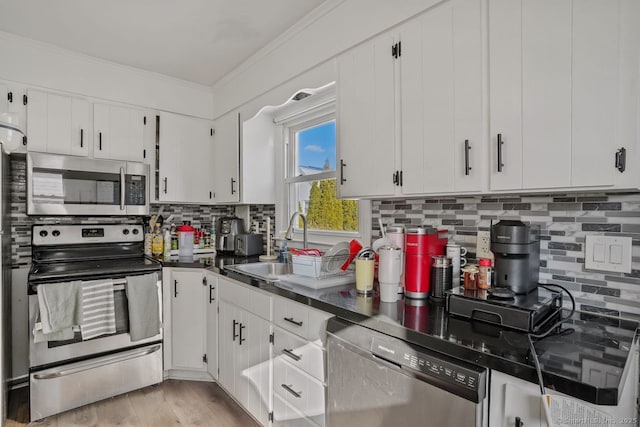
462 376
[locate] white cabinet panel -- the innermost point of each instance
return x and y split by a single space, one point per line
188 320
226 154
366 120
185 150
118 132
546 93
57 123
211 301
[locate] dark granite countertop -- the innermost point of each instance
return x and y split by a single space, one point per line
585 342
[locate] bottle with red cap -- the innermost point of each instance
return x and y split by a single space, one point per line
185 242
485 275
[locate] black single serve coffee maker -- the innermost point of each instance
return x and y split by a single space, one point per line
516 247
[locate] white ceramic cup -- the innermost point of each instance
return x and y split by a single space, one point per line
457 254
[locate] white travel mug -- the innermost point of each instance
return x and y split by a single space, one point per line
389 271
457 254
395 233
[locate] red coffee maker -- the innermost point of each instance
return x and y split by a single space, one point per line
421 243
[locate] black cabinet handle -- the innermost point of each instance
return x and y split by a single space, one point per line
291 354
100 141
519 422
467 147
401 179
165 185
395 178
290 320
175 288
10 97
81 138
500 142
621 159
211 298
342 178
292 391
242 339
233 181
235 335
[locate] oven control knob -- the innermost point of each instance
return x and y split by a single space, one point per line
136 231
125 231
43 233
55 233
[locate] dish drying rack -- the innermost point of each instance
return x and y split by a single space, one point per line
318 266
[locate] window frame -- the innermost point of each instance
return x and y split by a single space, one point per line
306 116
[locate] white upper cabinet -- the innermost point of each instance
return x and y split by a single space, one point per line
118 132
366 133
410 107
226 163
557 72
57 123
185 146
441 100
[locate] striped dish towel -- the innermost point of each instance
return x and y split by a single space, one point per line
98 309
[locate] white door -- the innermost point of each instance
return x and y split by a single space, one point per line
595 78
228 321
57 123
211 300
253 382
118 132
366 116
505 94
187 320
441 99
226 153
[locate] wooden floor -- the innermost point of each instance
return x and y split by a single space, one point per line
172 403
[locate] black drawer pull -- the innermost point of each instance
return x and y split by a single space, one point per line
292 391
175 288
500 143
81 138
291 354
242 339
234 330
211 298
295 322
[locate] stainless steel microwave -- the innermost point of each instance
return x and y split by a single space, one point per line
68 185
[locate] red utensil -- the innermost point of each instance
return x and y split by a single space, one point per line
354 248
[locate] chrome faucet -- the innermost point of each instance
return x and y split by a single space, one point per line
289 232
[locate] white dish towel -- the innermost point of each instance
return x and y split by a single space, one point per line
98 309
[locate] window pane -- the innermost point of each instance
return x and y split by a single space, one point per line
316 149
317 200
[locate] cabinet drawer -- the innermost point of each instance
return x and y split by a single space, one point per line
304 393
300 319
300 353
251 300
286 416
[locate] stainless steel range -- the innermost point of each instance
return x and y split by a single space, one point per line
94 315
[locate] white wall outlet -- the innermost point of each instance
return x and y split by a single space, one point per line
483 245
608 253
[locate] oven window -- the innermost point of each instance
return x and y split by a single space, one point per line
75 187
122 320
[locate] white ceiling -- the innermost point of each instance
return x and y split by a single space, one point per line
194 40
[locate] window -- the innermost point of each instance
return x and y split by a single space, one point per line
310 177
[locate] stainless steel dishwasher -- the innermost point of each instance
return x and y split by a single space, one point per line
377 380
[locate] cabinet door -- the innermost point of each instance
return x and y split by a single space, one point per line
185 159
226 153
188 320
442 105
505 94
366 133
227 337
595 91
253 375
118 132
211 298
57 123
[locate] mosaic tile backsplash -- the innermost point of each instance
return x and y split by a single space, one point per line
200 216
564 221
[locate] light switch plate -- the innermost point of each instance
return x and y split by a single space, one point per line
608 253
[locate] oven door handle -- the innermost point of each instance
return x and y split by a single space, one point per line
107 360
122 188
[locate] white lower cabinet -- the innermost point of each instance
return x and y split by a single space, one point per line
211 301
244 348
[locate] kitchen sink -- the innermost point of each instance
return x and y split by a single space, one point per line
262 270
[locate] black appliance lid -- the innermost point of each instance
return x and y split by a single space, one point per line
512 232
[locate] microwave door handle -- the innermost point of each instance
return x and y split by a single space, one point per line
122 188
